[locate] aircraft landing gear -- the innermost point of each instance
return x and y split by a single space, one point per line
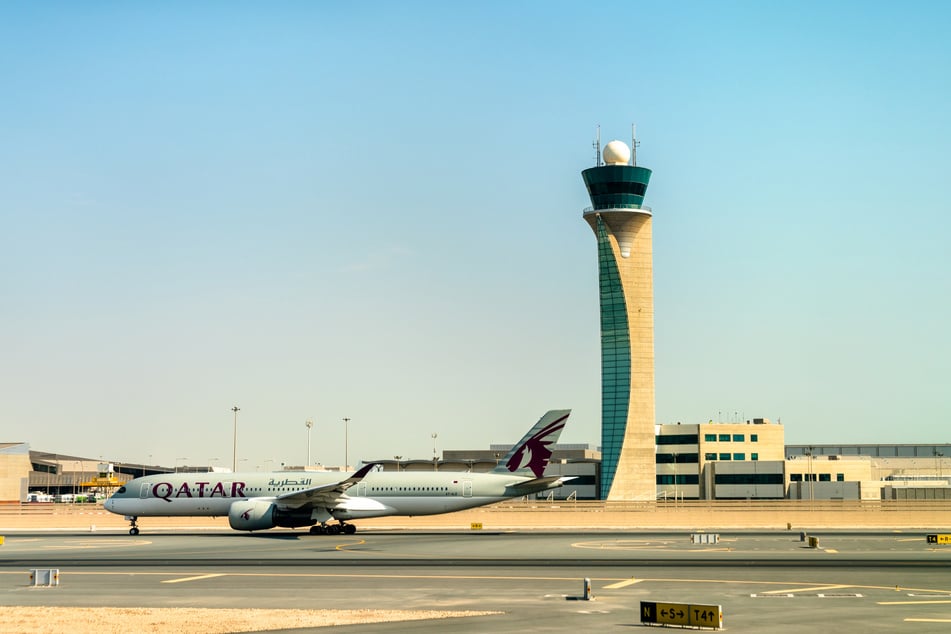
333 529
135 529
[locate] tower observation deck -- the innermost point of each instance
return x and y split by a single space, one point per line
622 227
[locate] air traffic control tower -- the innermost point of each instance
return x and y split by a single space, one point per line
622 225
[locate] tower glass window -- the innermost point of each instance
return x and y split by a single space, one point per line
615 361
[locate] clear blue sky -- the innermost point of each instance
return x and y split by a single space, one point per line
373 210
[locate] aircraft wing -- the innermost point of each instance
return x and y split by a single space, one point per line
539 484
326 495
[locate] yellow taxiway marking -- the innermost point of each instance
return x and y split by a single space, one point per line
625 544
927 620
830 550
623 584
92 544
198 578
909 602
909 539
346 546
812 589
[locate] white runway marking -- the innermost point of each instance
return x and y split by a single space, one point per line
198 578
622 584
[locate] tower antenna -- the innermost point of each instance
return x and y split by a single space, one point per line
634 144
597 148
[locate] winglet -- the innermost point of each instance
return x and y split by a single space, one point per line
531 454
360 474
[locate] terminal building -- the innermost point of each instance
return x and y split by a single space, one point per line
720 461
736 461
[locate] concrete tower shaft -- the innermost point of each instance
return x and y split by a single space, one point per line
622 226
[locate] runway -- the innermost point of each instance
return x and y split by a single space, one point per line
765 582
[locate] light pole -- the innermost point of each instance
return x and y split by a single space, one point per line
809 453
176 463
346 444
234 449
309 425
397 458
434 435
675 478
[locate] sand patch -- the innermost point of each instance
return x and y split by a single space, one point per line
199 620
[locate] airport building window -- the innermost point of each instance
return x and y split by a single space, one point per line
724 456
795 477
840 477
825 477
710 437
679 458
754 437
709 456
739 437
739 456
686 478
748 478
724 437
678 439
754 456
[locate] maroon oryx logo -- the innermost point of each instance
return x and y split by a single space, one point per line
246 515
537 447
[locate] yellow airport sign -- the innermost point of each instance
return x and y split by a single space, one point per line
475 526
940 538
689 614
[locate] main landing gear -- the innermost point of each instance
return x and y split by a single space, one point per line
135 529
333 529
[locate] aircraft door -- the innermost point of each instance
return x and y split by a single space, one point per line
467 488
362 489
144 491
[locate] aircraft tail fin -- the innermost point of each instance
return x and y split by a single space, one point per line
531 454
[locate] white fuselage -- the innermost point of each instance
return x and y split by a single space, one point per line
376 495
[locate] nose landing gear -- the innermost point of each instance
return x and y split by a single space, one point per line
135 529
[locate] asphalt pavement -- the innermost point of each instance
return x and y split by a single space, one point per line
762 581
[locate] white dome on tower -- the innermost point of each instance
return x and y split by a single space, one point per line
616 153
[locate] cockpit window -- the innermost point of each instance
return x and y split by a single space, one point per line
121 490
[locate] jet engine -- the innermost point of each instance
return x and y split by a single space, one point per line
256 515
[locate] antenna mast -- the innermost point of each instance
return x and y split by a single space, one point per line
597 148
634 144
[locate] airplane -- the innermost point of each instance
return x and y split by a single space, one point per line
295 499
